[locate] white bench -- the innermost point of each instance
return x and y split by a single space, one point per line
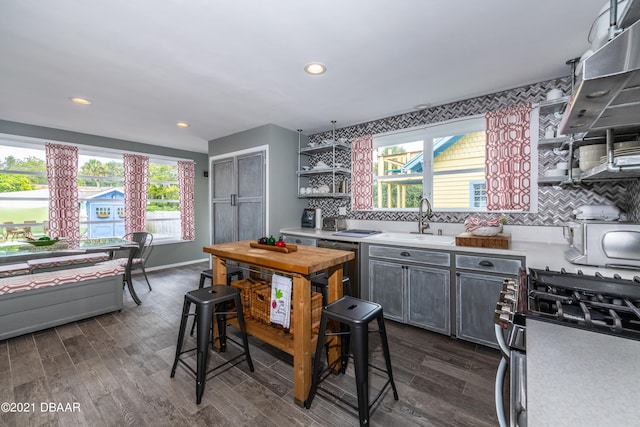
32 302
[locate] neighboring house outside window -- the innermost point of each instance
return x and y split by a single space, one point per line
439 162
478 193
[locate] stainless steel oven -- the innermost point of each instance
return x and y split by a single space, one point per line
510 333
593 303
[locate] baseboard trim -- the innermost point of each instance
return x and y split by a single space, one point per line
178 264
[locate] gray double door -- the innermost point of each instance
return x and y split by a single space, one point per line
238 196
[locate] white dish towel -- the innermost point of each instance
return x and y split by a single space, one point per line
281 300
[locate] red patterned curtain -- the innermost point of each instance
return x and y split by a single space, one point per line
508 160
136 184
186 186
362 173
64 210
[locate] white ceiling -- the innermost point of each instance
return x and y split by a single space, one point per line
227 66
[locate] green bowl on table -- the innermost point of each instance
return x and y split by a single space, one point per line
43 242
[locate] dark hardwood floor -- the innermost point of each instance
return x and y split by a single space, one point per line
113 370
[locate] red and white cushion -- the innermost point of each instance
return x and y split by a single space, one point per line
10 285
67 260
14 269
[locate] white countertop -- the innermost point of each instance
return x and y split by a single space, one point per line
581 378
542 246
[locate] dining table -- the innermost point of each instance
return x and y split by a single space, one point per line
21 251
300 265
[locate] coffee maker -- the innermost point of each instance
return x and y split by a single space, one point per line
308 218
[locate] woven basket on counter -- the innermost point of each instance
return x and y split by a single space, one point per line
246 287
261 308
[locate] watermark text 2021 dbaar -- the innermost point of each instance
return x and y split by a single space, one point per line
39 407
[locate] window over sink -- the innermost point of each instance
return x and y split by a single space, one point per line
447 163
444 162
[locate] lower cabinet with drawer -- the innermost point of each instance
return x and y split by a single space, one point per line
478 285
413 285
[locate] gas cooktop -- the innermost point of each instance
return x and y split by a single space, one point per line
603 304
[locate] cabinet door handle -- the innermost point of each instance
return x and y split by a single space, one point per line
486 263
233 199
405 253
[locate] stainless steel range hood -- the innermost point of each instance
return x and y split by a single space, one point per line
609 95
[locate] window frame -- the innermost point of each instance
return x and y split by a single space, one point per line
101 153
427 134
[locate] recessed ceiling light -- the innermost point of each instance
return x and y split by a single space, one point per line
182 125
81 101
315 68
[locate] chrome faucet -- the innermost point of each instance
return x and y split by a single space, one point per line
422 225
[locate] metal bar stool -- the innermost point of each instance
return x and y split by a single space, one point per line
357 314
211 302
208 274
321 283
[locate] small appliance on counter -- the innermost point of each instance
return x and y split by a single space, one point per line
308 218
597 212
603 244
334 223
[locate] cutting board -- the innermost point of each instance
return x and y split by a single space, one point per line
499 241
287 250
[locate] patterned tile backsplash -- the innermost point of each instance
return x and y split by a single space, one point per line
555 204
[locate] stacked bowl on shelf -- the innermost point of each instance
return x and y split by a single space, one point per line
560 170
590 156
594 155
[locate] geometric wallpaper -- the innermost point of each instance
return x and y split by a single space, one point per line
555 204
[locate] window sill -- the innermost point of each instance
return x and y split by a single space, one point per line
170 241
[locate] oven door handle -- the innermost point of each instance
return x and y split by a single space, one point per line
500 379
519 390
504 349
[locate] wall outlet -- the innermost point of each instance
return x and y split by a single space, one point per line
342 210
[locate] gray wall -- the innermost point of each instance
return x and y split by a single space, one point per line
285 209
174 253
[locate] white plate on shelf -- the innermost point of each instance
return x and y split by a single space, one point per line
555 172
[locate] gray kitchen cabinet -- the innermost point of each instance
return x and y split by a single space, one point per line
478 285
238 201
412 285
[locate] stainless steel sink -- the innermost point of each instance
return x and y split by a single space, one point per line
415 238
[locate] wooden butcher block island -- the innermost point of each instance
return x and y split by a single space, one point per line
299 265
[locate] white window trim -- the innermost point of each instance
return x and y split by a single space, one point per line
462 125
88 150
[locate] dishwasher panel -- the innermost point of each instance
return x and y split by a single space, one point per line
351 269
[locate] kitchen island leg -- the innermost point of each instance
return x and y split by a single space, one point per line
301 315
